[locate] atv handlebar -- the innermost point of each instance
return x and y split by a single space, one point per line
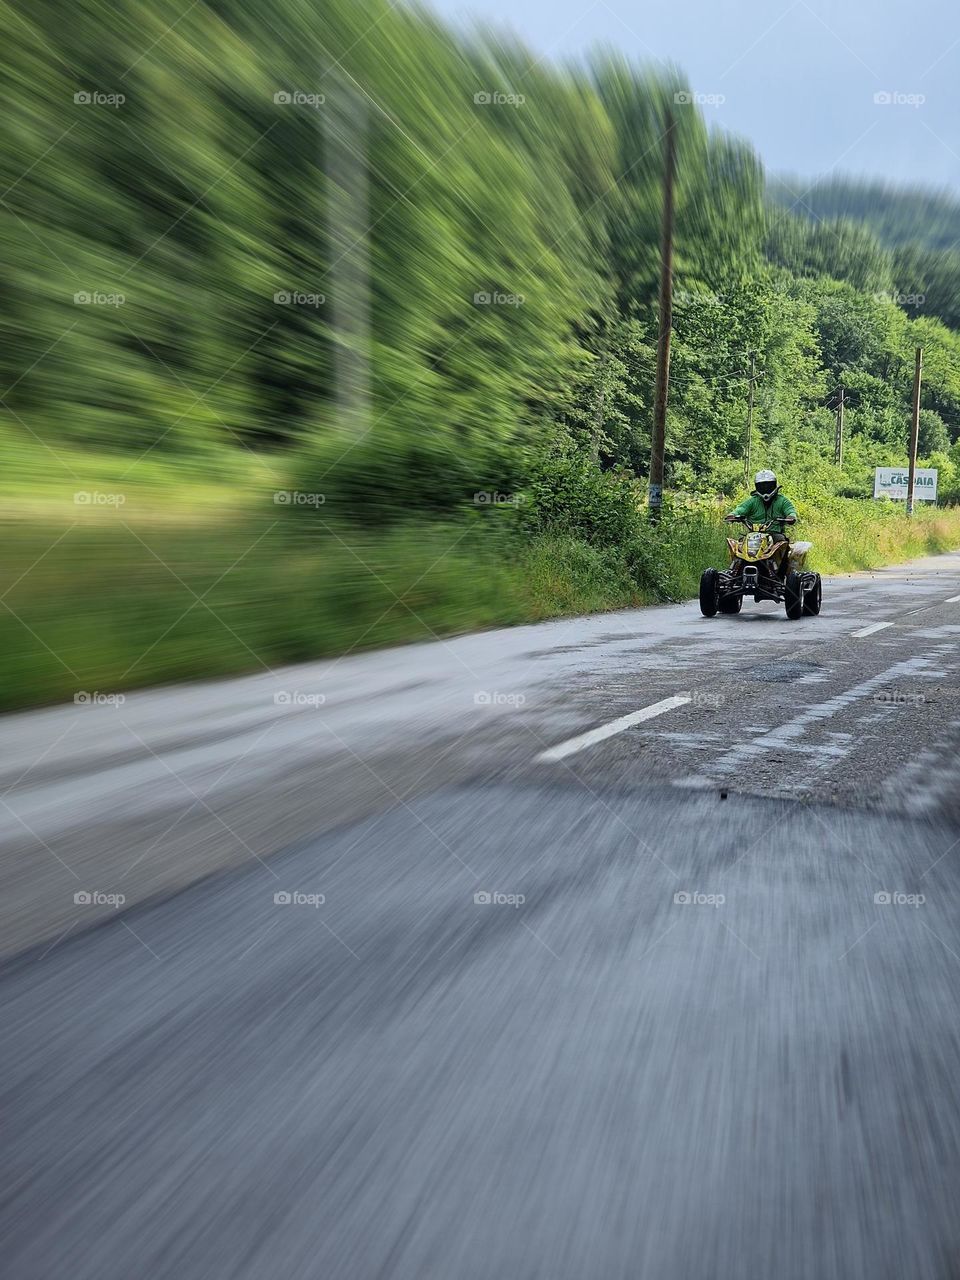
765 527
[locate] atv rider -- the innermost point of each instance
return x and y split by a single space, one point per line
767 505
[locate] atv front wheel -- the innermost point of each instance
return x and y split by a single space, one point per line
813 598
731 603
709 592
793 596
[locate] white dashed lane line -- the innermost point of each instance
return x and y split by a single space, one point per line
951 599
572 745
604 731
868 631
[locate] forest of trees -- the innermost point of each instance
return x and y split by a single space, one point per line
899 215
420 264
340 252
910 237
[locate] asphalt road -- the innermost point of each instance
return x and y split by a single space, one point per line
418 974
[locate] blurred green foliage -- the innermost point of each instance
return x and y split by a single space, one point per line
102 606
345 251
347 233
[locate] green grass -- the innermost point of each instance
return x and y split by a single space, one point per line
98 606
107 600
847 535
865 535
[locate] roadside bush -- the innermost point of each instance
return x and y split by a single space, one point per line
380 476
567 492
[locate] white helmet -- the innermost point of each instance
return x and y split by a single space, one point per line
766 485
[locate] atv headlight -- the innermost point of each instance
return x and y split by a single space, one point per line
754 543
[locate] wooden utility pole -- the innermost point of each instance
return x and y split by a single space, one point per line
838 443
914 429
749 442
658 439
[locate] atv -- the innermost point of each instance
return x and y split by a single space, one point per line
759 568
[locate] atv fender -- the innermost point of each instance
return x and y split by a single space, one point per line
798 554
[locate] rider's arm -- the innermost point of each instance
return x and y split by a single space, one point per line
740 510
787 510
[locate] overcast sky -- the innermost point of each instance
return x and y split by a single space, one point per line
798 79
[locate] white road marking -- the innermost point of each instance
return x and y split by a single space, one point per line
783 738
572 745
951 600
868 631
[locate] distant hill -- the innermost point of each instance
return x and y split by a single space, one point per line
897 215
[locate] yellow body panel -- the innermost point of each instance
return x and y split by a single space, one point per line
767 548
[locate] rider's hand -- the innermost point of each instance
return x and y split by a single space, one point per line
730 519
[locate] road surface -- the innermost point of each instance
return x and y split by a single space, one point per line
614 947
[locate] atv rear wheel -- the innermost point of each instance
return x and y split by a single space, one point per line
731 603
793 596
709 592
813 598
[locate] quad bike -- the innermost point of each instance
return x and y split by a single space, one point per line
759 569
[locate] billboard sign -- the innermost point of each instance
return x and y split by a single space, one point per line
891 482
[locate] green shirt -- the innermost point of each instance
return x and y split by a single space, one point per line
755 510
